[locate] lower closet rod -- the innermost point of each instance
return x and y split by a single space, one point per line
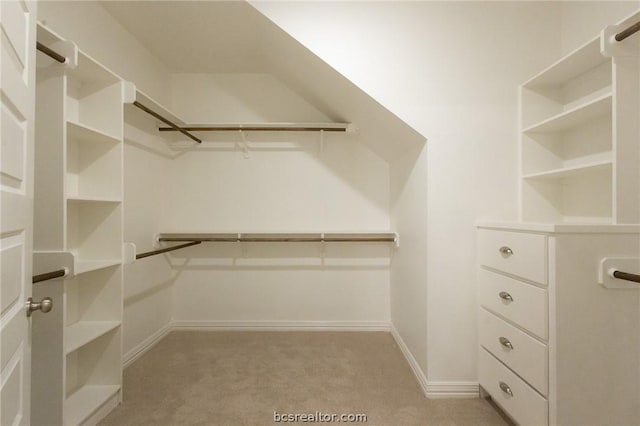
164 250
282 240
627 276
48 276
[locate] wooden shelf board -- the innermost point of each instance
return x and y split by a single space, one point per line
83 332
157 107
582 59
573 117
81 131
92 199
83 266
570 171
85 401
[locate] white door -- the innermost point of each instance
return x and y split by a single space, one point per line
17 87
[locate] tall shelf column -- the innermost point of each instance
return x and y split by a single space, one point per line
79 216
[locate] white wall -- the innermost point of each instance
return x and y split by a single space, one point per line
450 70
582 20
287 184
97 33
147 282
409 266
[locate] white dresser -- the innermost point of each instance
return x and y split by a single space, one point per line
556 347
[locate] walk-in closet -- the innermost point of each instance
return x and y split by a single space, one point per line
255 212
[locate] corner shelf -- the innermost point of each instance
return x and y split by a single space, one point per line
585 57
570 171
580 114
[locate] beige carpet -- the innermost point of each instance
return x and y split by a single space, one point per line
241 378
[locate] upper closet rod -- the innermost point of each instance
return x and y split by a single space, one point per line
164 250
164 120
51 53
628 32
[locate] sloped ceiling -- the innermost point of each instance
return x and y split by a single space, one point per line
233 37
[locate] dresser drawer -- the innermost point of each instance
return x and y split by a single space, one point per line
522 303
523 354
523 403
524 255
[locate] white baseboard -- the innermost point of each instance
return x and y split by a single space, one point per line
453 390
140 349
415 367
282 325
433 389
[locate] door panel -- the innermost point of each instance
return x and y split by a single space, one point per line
14 137
17 85
11 277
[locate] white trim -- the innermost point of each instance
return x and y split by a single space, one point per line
142 347
282 325
415 367
453 390
433 389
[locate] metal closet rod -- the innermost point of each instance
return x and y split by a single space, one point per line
256 129
48 276
164 250
627 276
173 127
628 32
50 52
279 239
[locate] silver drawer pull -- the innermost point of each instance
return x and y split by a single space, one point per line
506 389
505 296
505 342
505 250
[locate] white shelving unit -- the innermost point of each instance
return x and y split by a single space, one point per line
579 138
79 187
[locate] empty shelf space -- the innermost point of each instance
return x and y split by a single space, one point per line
85 401
84 266
584 58
83 332
571 171
573 117
89 134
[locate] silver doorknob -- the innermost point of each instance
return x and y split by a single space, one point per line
45 305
